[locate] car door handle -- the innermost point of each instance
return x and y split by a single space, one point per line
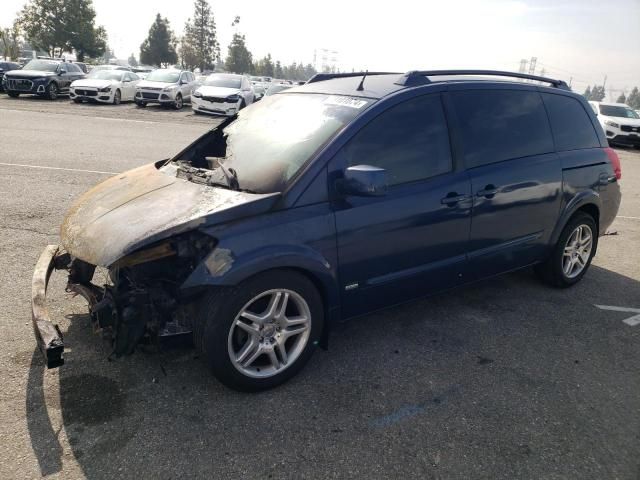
488 192
453 198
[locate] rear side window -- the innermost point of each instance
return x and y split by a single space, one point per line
570 123
497 125
410 141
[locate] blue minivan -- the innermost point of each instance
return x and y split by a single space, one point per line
330 200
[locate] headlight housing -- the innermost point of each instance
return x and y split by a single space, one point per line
197 94
611 124
233 98
105 89
169 89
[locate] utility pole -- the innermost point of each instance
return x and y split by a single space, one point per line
570 80
605 82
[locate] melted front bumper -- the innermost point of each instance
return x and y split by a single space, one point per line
48 335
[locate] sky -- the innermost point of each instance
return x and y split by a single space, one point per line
577 40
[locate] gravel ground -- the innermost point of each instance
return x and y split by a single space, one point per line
503 379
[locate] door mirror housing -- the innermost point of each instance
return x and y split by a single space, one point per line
363 181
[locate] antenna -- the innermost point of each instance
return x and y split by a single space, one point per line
361 86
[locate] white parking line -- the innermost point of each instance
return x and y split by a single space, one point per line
629 218
631 321
42 167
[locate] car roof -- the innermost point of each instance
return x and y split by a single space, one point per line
235 75
381 84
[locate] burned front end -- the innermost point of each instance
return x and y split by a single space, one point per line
130 246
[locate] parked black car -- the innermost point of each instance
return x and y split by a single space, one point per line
47 78
327 201
6 67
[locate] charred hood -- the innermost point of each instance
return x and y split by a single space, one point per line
141 206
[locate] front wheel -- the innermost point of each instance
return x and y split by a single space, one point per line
572 254
51 92
13 94
260 333
141 104
117 97
178 104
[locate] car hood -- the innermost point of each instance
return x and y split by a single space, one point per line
147 204
148 83
94 83
634 122
211 91
29 73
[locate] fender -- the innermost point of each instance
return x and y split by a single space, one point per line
223 268
587 197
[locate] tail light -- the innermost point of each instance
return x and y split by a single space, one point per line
615 161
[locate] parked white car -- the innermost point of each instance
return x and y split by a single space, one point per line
166 87
109 67
621 124
223 94
105 86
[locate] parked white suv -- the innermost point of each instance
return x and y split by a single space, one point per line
166 87
620 123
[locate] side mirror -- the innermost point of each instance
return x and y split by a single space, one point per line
363 181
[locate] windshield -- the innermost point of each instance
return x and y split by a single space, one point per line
166 76
106 75
227 81
271 140
41 65
618 111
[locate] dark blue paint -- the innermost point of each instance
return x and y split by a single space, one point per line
366 253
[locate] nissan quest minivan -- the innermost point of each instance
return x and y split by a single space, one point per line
330 200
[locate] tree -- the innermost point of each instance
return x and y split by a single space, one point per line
634 99
159 48
132 60
43 23
597 93
622 98
587 93
200 41
187 54
56 26
84 37
277 72
10 42
239 58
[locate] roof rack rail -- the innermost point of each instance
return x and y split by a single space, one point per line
418 77
319 77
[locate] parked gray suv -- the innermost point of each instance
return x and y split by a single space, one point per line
166 87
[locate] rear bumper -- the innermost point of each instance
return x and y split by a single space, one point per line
48 335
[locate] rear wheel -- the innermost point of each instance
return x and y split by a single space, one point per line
51 92
262 332
572 253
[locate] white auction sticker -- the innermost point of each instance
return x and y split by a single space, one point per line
350 102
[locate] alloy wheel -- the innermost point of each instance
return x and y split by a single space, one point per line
270 333
577 251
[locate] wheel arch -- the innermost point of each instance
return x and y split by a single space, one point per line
587 202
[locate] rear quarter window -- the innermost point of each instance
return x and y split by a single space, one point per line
498 125
570 123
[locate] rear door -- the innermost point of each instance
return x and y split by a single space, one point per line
413 240
516 178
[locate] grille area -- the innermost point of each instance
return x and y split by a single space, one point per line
86 93
629 128
150 96
19 84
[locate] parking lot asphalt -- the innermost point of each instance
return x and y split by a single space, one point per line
503 379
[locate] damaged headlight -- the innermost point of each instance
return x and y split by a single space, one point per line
194 245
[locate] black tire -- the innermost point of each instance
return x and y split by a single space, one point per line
551 271
117 97
77 100
217 311
242 104
51 92
141 104
13 94
179 103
